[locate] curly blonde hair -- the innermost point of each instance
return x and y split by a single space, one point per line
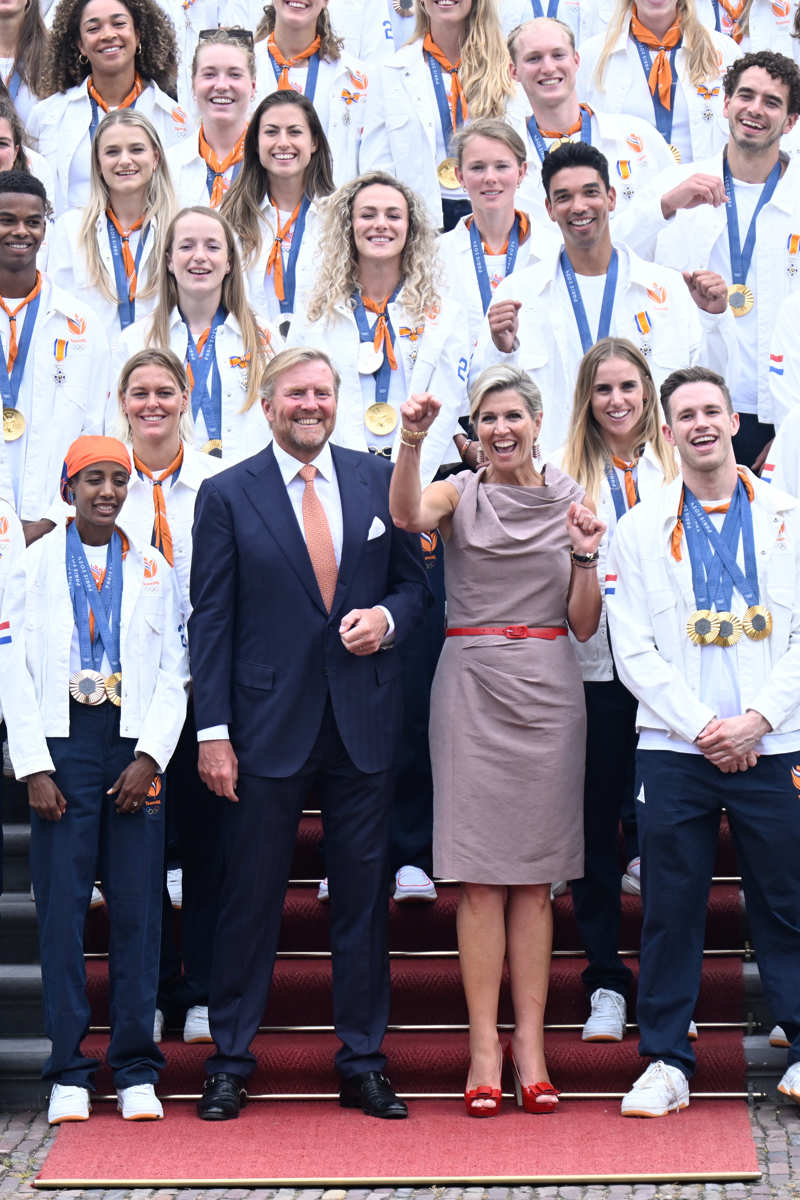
330 49
483 74
586 453
156 58
338 272
701 53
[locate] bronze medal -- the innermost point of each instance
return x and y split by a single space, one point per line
380 419
87 687
740 299
729 629
13 424
446 172
676 154
702 627
757 622
113 686
213 447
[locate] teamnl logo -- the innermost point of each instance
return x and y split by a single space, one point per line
152 802
152 581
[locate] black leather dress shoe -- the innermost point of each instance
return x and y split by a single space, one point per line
373 1093
223 1096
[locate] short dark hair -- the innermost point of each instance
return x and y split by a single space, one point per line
574 154
24 184
692 375
777 66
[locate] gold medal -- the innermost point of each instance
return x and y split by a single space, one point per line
13 424
729 631
740 299
370 360
380 419
562 141
702 627
213 447
757 622
113 686
87 687
676 154
446 171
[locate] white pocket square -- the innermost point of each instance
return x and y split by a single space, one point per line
376 529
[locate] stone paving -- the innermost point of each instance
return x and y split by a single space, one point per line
25 1139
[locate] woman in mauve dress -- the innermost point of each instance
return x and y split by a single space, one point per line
507 711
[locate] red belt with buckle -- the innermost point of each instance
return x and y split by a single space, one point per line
514 632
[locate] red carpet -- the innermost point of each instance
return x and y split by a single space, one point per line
299 1144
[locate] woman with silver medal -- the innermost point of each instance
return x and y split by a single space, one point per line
93 690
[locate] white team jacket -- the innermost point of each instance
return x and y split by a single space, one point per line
345 86
261 287
647 295
60 124
578 14
624 76
649 598
770 22
782 467
12 545
783 367
440 367
243 433
35 664
365 28
66 265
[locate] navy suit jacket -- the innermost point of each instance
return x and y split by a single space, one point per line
265 653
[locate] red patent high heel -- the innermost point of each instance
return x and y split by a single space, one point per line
536 1098
475 1099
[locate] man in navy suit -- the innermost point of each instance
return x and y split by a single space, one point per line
297 686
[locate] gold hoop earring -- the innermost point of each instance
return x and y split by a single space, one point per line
82 59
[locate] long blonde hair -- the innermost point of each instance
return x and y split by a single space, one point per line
255 341
338 272
702 57
483 74
158 208
330 49
586 453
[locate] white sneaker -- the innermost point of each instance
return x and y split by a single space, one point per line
558 888
660 1090
606 1021
68 1102
97 899
175 887
158 1025
692 1034
196 1028
411 883
139 1103
631 880
777 1037
790 1084
323 895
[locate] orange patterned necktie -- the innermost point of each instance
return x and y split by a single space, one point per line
318 538
217 166
275 260
128 260
161 530
12 320
286 64
457 96
567 133
132 96
630 482
677 534
661 71
382 336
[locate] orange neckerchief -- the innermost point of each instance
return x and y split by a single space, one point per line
132 96
524 230
456 92
199 344
734 11
127 257
382 335
12 320
677 533
98 579
275 260
219 167
661 71
630 485
161 529
287 63
576 128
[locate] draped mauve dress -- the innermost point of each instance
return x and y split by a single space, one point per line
508 724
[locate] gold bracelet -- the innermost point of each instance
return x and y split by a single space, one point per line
412 437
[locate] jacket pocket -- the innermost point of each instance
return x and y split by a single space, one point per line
253 675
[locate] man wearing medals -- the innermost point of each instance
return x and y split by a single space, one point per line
53 361
703 598
545 317
738 214
544 62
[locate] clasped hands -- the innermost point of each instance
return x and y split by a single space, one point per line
729 742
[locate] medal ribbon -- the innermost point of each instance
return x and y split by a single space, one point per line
715 571
13 83
216 168
660 72
452 111
519 231
677 533
606 307
734 11
742 257
162 535
200 359
622 503
552 9
97 608
126 267
11 372
98 102
381 335
583 124
285 272
281 66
